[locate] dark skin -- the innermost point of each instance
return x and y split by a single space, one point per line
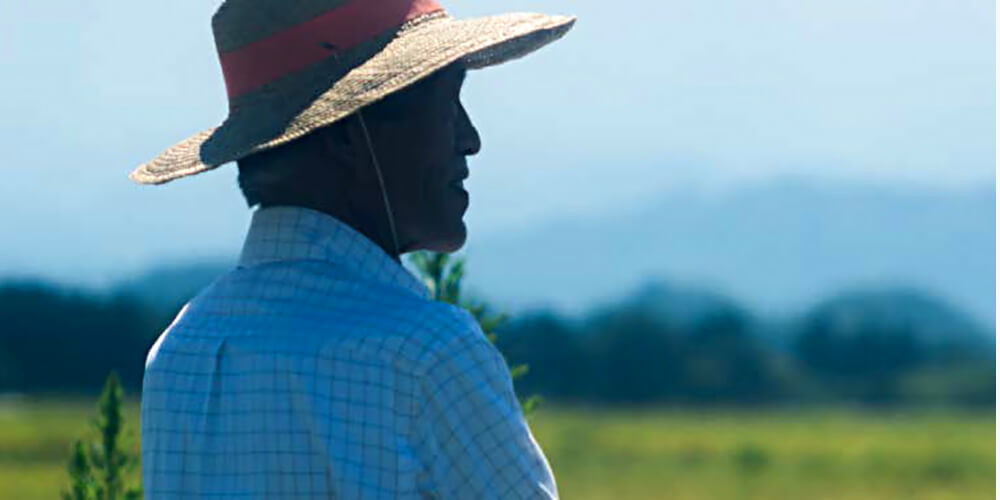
421 136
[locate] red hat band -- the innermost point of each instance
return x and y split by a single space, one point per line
296 48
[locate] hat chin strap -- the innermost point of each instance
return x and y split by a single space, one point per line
381 184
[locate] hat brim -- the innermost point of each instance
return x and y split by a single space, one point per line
410 56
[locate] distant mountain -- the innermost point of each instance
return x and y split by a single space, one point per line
777 248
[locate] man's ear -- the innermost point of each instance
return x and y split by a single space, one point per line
336 144
345 145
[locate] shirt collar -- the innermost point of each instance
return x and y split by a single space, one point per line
288 233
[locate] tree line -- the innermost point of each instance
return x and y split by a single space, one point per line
723 355
637 351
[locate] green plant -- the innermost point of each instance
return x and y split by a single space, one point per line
99 470
443 276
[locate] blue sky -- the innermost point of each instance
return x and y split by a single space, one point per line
640 98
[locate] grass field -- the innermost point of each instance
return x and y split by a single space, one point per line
664 454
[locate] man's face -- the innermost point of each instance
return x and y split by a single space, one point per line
421 136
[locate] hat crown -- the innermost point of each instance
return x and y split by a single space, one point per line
260 41
240 22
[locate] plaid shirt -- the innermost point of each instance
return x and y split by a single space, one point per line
320 368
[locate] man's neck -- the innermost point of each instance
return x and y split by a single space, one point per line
363 222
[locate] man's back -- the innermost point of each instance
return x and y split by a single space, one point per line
320 368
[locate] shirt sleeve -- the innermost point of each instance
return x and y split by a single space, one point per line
475 441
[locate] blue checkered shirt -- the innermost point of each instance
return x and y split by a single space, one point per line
320 368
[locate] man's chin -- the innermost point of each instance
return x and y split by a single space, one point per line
451 242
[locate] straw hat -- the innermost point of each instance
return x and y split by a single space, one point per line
294 66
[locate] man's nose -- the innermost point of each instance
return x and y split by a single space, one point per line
468 137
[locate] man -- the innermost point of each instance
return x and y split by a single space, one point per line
319 367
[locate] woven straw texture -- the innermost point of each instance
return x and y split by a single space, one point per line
325 92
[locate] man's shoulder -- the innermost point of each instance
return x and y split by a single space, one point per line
452 332
412 339
441 325
302 288
341 313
